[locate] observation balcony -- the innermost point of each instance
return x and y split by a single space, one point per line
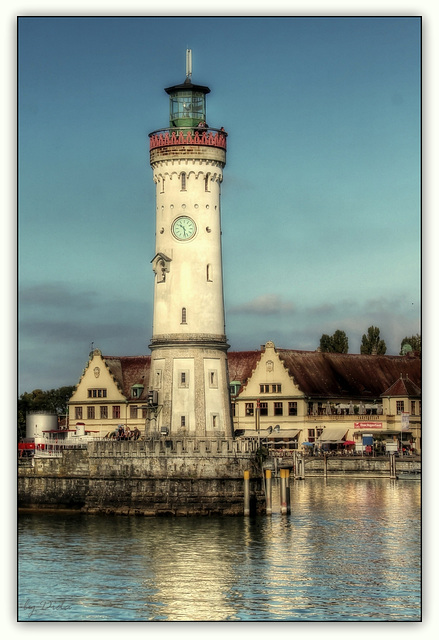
173 136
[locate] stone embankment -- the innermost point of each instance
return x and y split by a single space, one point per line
177 476
152 477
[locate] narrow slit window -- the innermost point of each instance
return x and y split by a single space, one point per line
183 316
183 181
209 273
206 182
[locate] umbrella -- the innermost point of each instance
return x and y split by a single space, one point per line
348 443
307 444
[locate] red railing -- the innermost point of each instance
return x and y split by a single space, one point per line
188 136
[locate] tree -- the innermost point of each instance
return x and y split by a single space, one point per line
337 343
52 401
371 342
414 342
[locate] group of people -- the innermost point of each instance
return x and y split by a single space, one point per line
125 433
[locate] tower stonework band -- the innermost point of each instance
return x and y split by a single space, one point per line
189 382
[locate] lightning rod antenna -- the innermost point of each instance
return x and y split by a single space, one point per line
188 63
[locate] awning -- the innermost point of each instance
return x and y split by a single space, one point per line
332 435
263 433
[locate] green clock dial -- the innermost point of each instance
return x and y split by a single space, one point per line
184 228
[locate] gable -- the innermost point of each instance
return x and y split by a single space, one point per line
270 370
97 377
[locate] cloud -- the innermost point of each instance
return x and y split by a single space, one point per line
56 294
264 305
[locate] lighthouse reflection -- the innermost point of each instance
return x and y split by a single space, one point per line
349 550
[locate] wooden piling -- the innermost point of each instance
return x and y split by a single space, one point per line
283 491
392 465
246 493
269 509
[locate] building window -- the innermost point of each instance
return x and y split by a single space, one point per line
97 393
234 388
78 413
213 379
319 432
162 186
233 409
116 411
249 409
311 435
292 408
133 411
276 388
264 388
278 409
183 422
104 413
400 406
144 412
209 273
183 379
206 182
183 181
413 407
263 408
90 413
183 316
215 421
136 390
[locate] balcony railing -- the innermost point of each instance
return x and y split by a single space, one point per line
188 136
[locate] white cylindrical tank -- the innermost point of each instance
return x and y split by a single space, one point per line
39 421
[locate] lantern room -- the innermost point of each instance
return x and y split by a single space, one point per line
187 104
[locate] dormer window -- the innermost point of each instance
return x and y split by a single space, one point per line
136 390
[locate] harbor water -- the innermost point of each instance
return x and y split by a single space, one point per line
349 551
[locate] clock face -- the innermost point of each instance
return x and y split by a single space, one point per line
184 228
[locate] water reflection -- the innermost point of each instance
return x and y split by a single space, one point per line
348 551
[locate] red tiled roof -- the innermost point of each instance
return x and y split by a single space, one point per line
130 370
350 375
316 374
242 364
403 387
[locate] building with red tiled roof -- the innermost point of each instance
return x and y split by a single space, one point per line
316 395
306 396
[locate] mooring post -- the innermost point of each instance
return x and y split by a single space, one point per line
392 466
283 491
268 491
246 493
288 490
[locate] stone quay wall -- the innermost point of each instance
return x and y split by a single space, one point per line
175 476
359 467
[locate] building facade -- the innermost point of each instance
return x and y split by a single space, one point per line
287 397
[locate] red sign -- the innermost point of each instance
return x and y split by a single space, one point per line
368 425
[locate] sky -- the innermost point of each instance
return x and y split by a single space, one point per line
321 198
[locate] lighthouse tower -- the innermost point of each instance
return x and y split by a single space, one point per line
189 386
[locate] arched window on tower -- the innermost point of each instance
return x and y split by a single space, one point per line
183 181
162 185
183 316
206 182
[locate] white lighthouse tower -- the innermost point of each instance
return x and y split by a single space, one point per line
189 386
